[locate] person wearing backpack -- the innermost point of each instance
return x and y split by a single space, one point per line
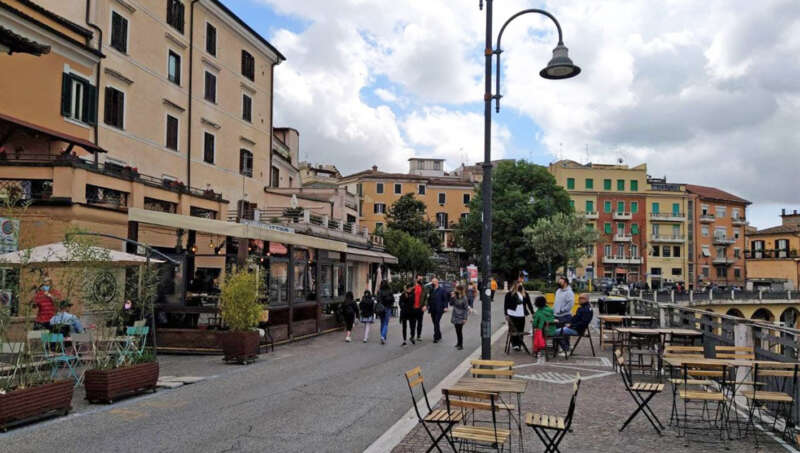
349 312
383 308
366 309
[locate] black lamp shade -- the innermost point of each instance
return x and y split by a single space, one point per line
560 66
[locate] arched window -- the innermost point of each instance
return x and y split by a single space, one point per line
763 314
790 317
735 312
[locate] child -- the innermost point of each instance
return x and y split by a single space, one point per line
367 310
349 312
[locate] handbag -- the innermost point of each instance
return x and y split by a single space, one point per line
538 340
379 309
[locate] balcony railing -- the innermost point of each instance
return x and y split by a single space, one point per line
771 254
665 187
611 259
739 221
679 238
706 218
723 260
668 216
622 237
26 189
723 240
588 214
618 215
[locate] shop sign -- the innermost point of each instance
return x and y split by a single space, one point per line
9 235
267 226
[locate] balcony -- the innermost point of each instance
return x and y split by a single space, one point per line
589 215
622 237
622 215
706 218
724 260
723 240
738 221
771 254
610 259
671 239
668 216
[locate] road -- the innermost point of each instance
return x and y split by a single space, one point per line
316 395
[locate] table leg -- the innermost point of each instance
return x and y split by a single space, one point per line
519 421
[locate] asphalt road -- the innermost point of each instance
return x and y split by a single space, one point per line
317 395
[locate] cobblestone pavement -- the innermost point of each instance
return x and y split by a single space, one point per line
602 406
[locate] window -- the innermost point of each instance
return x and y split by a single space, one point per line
114 108
421 189
607 206
172 132
782 248
442 198
607 228
621 185
441 219
704 231
667 251
378 226
676 251
620 250
398 189
208 147
606 184
174 68
589 206
211 39
634 207
379 208
656 250
722 272
635 229
589 183
467 199
720 232
676 209
676 271
274 177
720 251
78 99
737 253
247 108
607 250
655 208
737 233
119 32
656 227
705 271
634 185
655 271
378 187
737 273
719 211
245 163
570 183
735 213
706 252
620 206
211 87
175 14
464 215
572 204
621 229
248 65
634 251
676 231
704 209
589 226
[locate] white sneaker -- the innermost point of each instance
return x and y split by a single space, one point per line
365 340
347 339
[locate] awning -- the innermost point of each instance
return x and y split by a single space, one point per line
369 256
71 139
59 253
238 230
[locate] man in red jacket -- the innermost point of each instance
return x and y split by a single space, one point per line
44 300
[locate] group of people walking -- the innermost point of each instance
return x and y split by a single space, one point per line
416 299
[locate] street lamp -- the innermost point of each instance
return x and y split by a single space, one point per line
559 67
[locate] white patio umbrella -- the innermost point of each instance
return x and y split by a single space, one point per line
58 253
388 275
378 278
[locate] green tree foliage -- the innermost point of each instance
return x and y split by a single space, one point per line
239 305
560 240
522 194
413 255
409 214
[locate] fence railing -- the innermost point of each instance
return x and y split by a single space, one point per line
714 296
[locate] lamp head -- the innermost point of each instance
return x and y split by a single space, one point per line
560 66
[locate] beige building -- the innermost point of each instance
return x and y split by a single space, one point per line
773 260
321 175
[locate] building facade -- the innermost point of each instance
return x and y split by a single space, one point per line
773 260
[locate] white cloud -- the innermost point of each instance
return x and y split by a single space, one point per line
385 95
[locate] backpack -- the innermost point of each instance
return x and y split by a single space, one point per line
379 309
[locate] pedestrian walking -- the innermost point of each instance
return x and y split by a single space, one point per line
517 306
421 296
366 309
349 312
493 287
460 314
437 305
408 315
472 294
383 308
565 299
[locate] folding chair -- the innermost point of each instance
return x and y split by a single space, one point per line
56 355
676 379
492 368
444 419
705 397
607 330
555 344
560 426
486 437
583 334
84 350
642 393
643 351
138 337
513 333
783 401
735 352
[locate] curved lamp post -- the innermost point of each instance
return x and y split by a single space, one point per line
559 67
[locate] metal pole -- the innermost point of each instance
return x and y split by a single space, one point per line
486 195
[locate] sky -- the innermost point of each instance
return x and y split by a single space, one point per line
705 92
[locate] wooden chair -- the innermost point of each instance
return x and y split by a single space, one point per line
512 333
559 426
682 352
478 436
607 330
783 401
492 368
641 392
443 419
735 352
643 352
705 397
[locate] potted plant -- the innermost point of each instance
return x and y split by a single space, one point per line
240 310
137 373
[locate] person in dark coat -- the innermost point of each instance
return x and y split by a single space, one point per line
407 313
579 323
437 305
421 296
460 313
516 307
366 309
349 312
385 298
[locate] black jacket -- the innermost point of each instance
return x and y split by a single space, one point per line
366 307
582 318
512 301
406 304
349 309
386 298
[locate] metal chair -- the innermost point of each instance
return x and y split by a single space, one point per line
782 400
513 333
486 437
559 426
443 419
586 333
56 355
704 397
642 393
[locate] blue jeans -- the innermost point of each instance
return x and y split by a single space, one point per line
566 332
385 323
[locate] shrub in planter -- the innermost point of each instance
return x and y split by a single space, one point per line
240 310
24 404
132 378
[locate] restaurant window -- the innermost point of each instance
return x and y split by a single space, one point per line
278 280
248 65
172 132
175 14
174 67
570 183
78 99
274 177
305 283
203 213
398 189
211 39
247 108
245 163
208 147
114 108
606 184
421 189
210 94
378 187
110 198
119 32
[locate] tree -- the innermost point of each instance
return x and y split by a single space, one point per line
560 240
522 194
409 214
413 255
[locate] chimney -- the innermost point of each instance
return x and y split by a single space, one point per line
783 211
374 168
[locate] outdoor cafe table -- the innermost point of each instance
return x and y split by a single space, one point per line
496 385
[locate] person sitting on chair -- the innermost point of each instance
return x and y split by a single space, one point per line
66 319
579 323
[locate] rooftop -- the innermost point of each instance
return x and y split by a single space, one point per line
712 193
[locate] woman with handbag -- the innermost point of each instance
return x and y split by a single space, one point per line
460 314
517 307
367 310
383 308
543 317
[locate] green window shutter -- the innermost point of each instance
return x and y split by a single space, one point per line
607 206
634 185
655 208
634 207
89 104
620 206
676 208
572 204
634 229
589 206
606 184
621 185
589 183
66 93
570 183
589 226
607 228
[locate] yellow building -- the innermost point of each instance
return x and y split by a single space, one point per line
772 254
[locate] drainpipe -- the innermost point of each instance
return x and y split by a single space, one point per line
97 76
191 74
271 120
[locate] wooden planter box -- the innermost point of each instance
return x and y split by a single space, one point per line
20 406
305 327
239 347
107 385
197 341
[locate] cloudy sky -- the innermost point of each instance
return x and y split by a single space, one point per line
703 92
